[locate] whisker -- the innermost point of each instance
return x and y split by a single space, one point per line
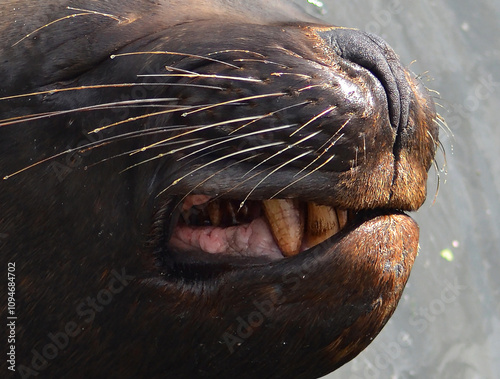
279 74
254 148
97 86
443 151
120 19
311 87
113 105
85 13
129 152
94 145
305 176
412 63
283 150
332 143
289 52
334 135
243 180
271 173
434 91
136 118
68 151
204 76
439 144
159 156
174 53
139 133
269 115
194 130
438 184
265 61
321 155
227 140
212 176
181 70
444 126
234 101
420 76
236 51
326 111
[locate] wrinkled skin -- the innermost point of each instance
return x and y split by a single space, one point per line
88 215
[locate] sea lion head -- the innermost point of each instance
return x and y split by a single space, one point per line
206 189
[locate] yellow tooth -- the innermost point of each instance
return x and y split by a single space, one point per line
214 212
286 220
322 223
342 217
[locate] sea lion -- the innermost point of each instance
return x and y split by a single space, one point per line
203 189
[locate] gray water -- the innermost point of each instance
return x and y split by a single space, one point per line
447 324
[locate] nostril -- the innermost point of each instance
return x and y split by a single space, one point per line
374 54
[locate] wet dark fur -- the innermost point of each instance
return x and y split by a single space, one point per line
86 212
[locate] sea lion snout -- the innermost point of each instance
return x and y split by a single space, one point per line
374 54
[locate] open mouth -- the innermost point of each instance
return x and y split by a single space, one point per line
274 228
366 148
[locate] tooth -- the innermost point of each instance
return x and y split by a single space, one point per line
287 224
322 223
242 213
214 213
231 212
342 217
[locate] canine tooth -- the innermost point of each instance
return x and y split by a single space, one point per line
287 224
214 213
342 217
322 223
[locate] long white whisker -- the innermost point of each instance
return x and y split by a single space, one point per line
213 175
204 76
319 156
197 129
96 144
234 101
283 150
86 13
305 176
117 104
271 173
236 51
254 148
269 115
81 88
225 141
438 184
173 53
326 111
159 156
141 117
265 61
279 74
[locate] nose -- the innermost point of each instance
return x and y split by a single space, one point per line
374 54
